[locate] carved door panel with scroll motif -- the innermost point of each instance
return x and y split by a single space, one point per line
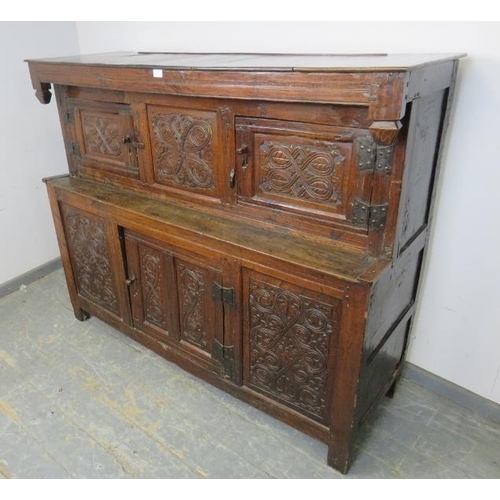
172 300
288 336
95 261
186 151
302 168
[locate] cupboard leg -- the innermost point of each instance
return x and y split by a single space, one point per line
392 389
340 454
81 315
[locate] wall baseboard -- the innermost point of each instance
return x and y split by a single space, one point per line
471 401
30 277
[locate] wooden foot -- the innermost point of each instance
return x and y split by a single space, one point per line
340 457
81 315
392 389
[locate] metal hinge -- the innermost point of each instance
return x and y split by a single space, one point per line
74 148
223 294
225 355
69 115
372 216
373 156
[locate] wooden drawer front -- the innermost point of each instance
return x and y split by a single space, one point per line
106 137
298 167
88 238
186 149
287 343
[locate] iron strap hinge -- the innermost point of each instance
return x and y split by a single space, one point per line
74 148
372 216
223 294
69 115
373 156
222 352
225 356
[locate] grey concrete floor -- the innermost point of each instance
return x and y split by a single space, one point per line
80 400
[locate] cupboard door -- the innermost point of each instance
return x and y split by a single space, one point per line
90 240
172 300
287 343
152 287
302 168
106 138
186 147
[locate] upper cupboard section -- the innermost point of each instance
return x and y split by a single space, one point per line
306 166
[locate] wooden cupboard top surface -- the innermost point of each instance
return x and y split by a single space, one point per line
256 62
326 258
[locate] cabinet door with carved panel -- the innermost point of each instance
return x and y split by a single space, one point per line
288 337
96 264
186 150
304 168
105 138
172 298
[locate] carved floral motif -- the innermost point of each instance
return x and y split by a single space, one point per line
152 279
192 289
183 150
289 342
304 172
90 258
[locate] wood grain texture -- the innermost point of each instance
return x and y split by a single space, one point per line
263 224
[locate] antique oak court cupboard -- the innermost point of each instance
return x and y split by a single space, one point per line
260 220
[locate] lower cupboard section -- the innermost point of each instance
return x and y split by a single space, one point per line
272 339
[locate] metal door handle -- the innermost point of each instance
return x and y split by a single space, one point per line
243 152
134 144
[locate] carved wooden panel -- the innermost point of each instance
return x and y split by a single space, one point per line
288 344
183 148
300 168
101 135
87 241
102 131
153 281
301 171
193 295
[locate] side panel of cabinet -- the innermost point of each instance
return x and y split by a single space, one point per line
171 297
288 339
92 243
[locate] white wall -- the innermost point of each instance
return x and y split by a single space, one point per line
31 146
457 328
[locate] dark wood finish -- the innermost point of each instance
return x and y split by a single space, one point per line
260 220
171 297
105 136
288 336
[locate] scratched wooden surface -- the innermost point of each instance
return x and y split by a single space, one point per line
80 400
